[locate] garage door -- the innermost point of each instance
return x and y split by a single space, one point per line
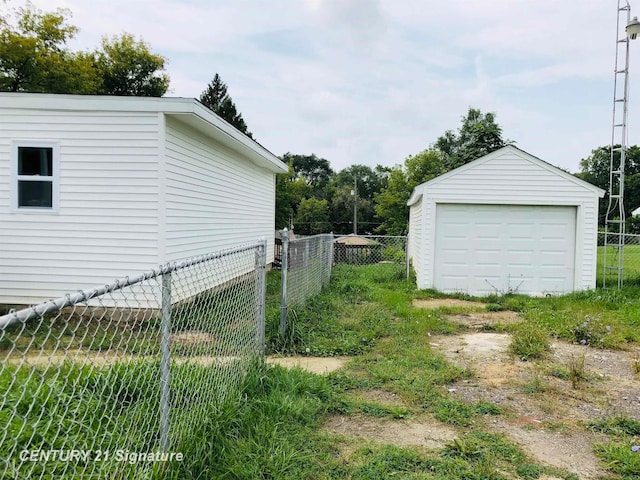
483 249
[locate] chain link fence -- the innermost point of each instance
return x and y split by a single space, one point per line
117 381
306 268
629 248
381 254
307 264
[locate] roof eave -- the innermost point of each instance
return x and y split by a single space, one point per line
208 122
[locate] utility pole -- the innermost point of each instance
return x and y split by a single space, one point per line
354 192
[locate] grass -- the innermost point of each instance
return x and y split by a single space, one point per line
529 341
631 263
268 425
396 357
618 453
560 316
265 427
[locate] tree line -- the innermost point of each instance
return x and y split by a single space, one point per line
311 197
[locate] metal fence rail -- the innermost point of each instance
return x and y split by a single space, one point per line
631 259
94 383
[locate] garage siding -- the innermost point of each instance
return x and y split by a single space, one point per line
511 177
415 236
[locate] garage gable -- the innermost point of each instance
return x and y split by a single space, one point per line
511 167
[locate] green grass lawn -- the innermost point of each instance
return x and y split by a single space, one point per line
269 428
631 264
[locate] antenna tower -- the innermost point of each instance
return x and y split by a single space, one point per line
614 238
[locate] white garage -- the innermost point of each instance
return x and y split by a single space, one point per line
507 222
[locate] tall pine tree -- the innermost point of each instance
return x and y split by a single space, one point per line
216 98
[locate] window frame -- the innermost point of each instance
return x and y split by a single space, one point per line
54 178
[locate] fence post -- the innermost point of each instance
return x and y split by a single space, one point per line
283 287
329 247
406 255
305 262
331 253
165 362
261 279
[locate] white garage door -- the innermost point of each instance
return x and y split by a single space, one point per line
483 249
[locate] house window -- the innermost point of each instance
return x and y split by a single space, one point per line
36 176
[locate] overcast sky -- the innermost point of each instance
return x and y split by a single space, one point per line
372 81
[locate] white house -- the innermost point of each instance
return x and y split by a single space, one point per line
94 188
506 222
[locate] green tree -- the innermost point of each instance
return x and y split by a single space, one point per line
370 182
315 171
478 135
312 217
127 67
391 204
34 56
290 190
216 98
595 170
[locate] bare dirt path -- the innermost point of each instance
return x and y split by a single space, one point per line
424 432
319 365
544 412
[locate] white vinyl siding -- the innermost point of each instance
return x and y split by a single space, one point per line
512 177
106 224
215 199
415 236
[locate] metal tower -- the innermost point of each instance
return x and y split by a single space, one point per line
615 219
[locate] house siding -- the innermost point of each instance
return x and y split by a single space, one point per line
215 198
106 224
510 178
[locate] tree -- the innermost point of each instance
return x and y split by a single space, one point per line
127 67
216 98
290 190
315 171
34 57
312 217
595 170
391 204
478 135
370 182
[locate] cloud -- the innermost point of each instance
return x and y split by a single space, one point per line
372 81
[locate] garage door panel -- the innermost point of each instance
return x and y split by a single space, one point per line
483 248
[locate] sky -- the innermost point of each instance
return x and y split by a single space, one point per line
373 81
